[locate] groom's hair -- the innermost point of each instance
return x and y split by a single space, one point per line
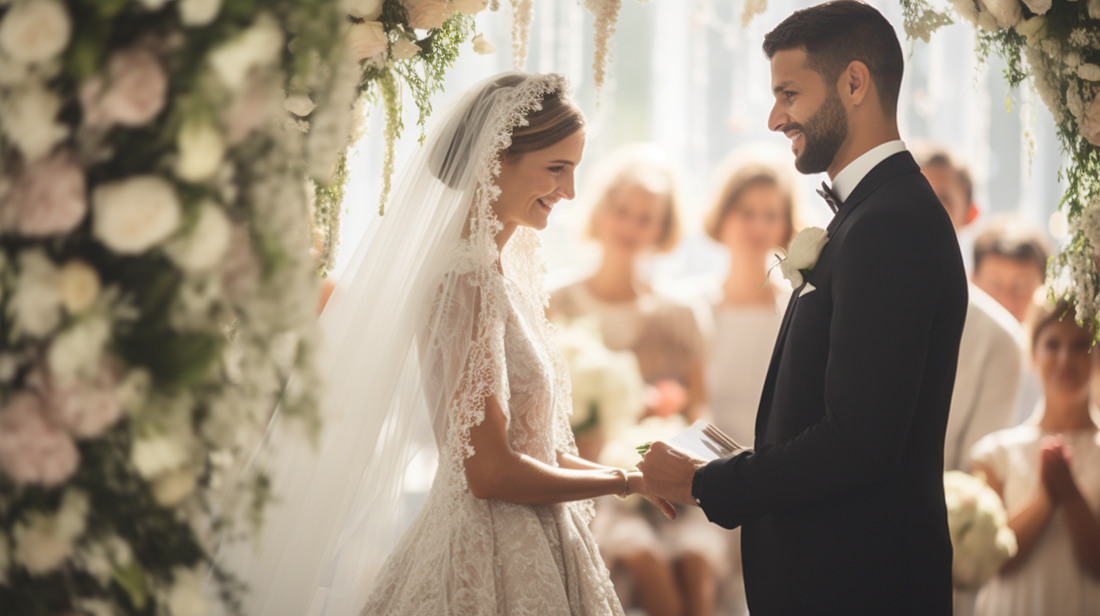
837 33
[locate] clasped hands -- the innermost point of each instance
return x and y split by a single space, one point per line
666 473
1055 474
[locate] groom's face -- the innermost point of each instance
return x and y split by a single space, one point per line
807 110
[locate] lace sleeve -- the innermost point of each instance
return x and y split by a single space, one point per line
465 352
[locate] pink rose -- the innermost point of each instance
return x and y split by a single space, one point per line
367 39
1090 121
427 14
33 450
132 94
49 197
86 408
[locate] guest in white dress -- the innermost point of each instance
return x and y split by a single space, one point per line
754 213
664 567
1047 471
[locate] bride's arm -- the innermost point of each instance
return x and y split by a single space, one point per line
497 471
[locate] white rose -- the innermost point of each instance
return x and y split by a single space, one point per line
806 247
299 105
367 39
173 487
35 31
29 119
197 13
1089 72
482 46
157 455
257 47
78 284
1090 121
403 48
207 242
1032 29
427 14
470 7
1007 12
201 150
36 302
1038 6
369 10
135 214
185 597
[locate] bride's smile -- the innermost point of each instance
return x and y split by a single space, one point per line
532 184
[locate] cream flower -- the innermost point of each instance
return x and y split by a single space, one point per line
299 105
1090 121
29 119
257 47
1072 59
403 48
135 214
803 254
369 10
1089 72
185 597
32 450
157 455
201 151
35 305
49 198
427 14
482 46
470 7
206 243
1038 6
172 488
198 13
1006 12
78 284
43 542
77 352
367 39
1032 29
87 406
35 31
132 93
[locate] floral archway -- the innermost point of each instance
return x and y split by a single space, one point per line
166 167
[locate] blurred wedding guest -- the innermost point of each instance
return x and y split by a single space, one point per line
1047 471
991 357
670 568
752 216
1010 264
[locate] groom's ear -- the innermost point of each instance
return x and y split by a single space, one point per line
855 84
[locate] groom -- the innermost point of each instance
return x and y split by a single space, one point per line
841 504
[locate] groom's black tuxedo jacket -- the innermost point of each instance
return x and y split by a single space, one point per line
841 504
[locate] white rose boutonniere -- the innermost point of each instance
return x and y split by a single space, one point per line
802 256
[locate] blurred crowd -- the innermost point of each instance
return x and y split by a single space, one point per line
1021 415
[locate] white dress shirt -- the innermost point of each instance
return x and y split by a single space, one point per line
850 177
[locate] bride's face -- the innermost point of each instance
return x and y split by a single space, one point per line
531 184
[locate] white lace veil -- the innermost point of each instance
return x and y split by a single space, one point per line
413 338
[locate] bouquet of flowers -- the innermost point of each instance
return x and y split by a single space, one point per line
979 529
607 386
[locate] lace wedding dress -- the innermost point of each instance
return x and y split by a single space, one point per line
421 328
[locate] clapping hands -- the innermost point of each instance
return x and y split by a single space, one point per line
1054 469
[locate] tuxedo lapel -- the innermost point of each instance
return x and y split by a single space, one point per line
899 164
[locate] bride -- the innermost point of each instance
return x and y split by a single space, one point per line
440 318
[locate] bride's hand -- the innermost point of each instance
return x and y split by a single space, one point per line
639 487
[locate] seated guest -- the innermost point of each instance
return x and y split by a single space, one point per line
991 359
1010 262
672 568
1047 471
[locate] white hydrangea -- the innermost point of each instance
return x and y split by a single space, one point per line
44 541
257 47
35 305
206 243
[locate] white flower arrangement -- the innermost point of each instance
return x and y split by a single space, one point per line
607 386
980 535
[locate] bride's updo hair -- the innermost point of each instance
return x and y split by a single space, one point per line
558 118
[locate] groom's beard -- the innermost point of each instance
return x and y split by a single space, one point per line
822 135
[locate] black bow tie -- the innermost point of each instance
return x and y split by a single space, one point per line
830 197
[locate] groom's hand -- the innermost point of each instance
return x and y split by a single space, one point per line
668 472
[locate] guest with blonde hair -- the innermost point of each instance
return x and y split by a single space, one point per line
1047 471
664 567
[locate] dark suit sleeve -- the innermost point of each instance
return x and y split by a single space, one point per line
887 281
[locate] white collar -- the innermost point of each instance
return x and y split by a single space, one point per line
850 177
